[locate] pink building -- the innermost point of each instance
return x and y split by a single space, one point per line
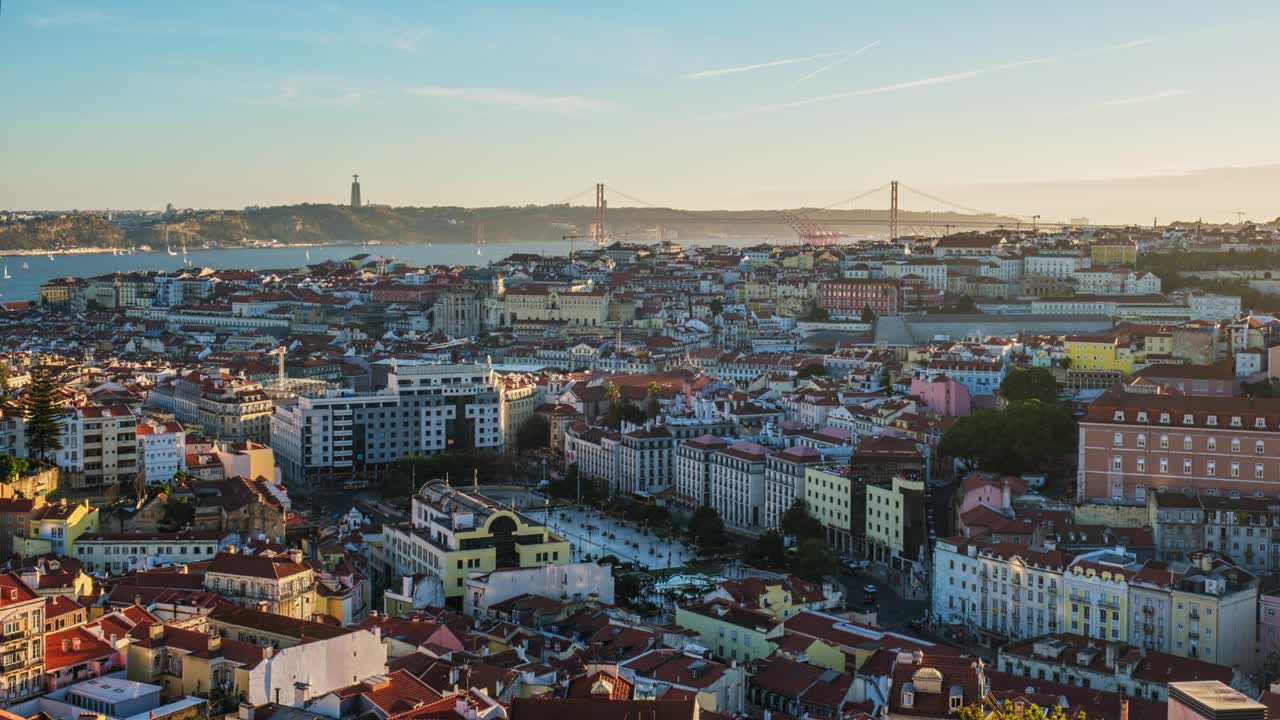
1132 443
981 488
943 396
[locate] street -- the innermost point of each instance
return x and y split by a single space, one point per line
893 611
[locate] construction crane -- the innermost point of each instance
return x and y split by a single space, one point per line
809 232
573 239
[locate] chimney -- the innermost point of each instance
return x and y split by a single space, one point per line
1124 708
246 711
1006 502
300 694
75 643
66 645
296 556
1110 656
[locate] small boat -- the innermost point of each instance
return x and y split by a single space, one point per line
6 272
50 257
307 253
25 266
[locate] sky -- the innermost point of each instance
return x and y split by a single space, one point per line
1114 111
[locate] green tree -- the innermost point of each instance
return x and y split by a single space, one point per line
177 514
813 560
155 488
868 315
1029 383
768 551
533 433
11 467
716 307
651 406
1032 711
799 524
5 395
818 314
706 528
631 413
627 588
1024 437
815 369
44 417
613 394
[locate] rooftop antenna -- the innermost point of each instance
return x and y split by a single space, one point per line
475 480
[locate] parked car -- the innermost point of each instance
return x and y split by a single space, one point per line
853 567
869 589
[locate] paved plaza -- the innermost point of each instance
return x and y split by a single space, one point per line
597 535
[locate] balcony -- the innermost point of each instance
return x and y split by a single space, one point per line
13 661
1194 614
1193 634
10 637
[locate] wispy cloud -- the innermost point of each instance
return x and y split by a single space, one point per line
307 92
517 99
1136 99
408 41
720 72
841 60
895 87
64 18
1120 46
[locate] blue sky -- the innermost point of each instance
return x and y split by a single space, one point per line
703 105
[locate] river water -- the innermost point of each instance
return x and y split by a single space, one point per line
25 284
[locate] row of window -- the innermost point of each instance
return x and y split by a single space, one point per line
1211 444
1190 419
1188 467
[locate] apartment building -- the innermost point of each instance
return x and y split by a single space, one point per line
452 534
162 451
1132 443
56 528
896 521
119 553
224 406
1096 594
848 298
424 409
22 644
100 446
1215 613
646 460
737 484
520 398
278 584
998 591
1243 528
595 451
693 469
829 497
784 480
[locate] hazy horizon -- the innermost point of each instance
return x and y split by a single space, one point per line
1118 114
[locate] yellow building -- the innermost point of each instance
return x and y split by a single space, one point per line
1098 352
59 526
895 520
828 496
22 615
732 631
1114 251
520 397
1211 604
453 534
1096 595
575 304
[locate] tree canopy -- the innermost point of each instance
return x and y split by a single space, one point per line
1024 437
813 560
44 419
1029 383
706 528
1008 712
534 433
799 524
11 467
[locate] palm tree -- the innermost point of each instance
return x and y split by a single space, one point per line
613 394
651 400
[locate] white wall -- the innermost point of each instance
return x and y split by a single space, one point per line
325 665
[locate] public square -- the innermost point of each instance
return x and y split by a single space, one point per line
597 535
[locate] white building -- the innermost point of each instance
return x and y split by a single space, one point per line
737 484
784 480
162 451
693 469
118 553
573 582
425 408
1214 307
1054 265
997 591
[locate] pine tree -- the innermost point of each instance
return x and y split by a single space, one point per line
5 395
44 418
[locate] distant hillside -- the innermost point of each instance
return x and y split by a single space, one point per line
68 231
331 224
